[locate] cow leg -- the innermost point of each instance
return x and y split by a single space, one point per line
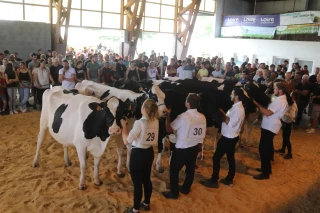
96 178
241 132
119 151
67 161
159 166
249 123
39 143
82 158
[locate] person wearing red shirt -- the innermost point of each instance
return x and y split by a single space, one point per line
172 68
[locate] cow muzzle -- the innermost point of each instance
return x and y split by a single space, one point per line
114 130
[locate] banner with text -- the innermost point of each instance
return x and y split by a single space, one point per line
252 20
298 29
248 31
299 18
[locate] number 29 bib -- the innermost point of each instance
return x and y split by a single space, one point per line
197 131
150 136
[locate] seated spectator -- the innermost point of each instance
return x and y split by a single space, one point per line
305 70
132 72
237 72
179 63
261 80
54 71
143 72
115 76
218 73
244 77
172 68
50 63
187 71
121 68
203 72
289 82
229 71
197 67
153 72
209 68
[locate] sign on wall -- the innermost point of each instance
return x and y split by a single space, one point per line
298 29
248 31
299 18
252 20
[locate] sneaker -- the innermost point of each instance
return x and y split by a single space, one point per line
23 110
288 156
169 195
20 108
261 177
311 131
146 207
227 182
11 113
15 111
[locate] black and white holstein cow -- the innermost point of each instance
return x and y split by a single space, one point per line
83 121
134 93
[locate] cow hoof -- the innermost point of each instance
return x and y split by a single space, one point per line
35 165
99 184
160 170
121 175
68 164
82 187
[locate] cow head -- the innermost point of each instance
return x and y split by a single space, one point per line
156 94
257 92
104 119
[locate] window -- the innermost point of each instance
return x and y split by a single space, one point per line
167 12
166 26
36 13
201 5
210 5
151 24
152 10
75 17
111 20
307 62
155 1
91 5
41 2
279 60
91 19
111 6
8 14
240 58
170 2
74 4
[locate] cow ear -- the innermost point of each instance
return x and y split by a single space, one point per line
95 106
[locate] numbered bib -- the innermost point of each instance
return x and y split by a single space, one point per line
150 136
197 131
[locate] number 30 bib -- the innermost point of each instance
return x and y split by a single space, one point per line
197 131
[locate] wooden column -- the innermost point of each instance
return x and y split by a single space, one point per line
183 37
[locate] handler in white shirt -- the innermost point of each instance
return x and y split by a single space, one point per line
270 126
191 130
67 76
230 130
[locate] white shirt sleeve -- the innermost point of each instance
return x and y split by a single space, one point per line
135 132
177 123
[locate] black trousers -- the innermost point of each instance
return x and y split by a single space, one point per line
39 95
266 150
182 157
140 170
301 107
225 146
286 132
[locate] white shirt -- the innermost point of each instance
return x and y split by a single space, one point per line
278 107
68 74
189 122
142 129
152 73
236 115
43 77
2 69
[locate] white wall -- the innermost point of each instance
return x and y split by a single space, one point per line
273 7
269 49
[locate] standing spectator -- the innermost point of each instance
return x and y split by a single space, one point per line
67 76
6 54
12 80
54 55
315 106
270 126
34 63
42 80
29 60
153 72
49 64
106 74
49 55
304 89
305 70
80 72
290 83
142 72
287 121
285 64
1 58
121 68
261 80
237 74
16 57
39 54
209 68
3 97
54 71
313 78
246 62
25 84
256 62
126 61
219 73
93 70
162 66
4 65
172 68
232 62
165 57
187 71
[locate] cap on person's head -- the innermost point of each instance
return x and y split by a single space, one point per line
34 54
6 52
